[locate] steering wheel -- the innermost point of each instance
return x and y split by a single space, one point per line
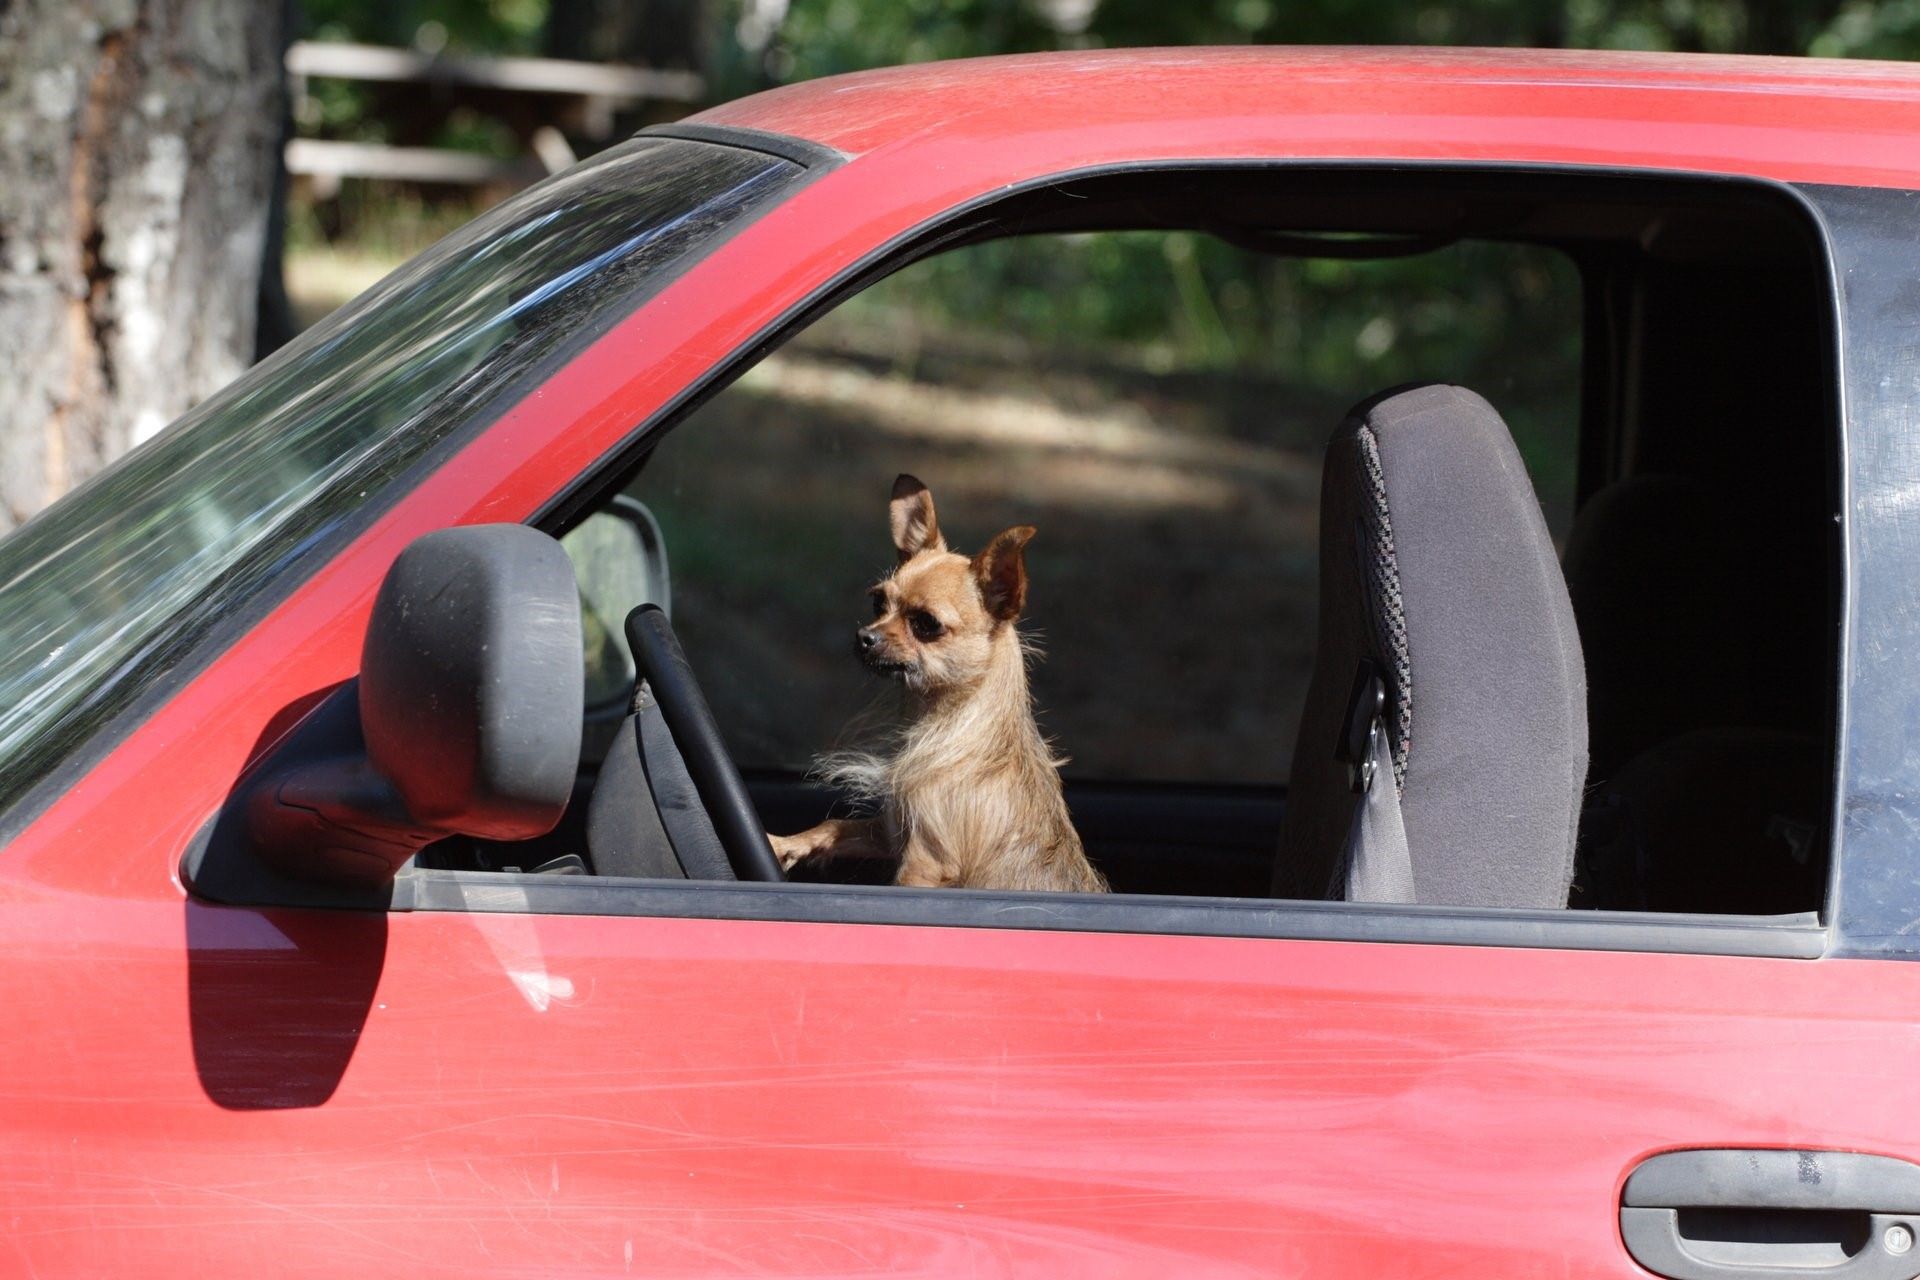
656 651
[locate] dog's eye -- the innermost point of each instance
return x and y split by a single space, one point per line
879 599
925 625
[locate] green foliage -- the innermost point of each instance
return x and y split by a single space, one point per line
1868 30
459 26
352 111
826 37
823 37
387 221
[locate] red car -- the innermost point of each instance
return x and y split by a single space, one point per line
347 923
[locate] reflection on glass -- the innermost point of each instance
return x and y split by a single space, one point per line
611 563
111 587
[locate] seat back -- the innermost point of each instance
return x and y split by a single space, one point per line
1436 568
646 818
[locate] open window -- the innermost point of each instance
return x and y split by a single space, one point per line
1157 404
1148 370
1147 365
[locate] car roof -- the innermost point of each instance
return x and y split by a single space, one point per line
1796 119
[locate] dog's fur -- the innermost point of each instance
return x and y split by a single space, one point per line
969 792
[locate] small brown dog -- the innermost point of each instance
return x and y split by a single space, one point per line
970 792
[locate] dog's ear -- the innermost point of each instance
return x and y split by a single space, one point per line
911 514
1001 571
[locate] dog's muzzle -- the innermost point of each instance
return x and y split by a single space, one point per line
868 644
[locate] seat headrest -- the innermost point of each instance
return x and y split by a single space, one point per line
1436 566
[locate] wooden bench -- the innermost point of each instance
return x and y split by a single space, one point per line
584 96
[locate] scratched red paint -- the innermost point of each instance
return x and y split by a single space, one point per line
195 1090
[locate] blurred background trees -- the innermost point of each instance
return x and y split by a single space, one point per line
140 235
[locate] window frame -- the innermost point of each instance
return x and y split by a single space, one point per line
1873 890
1805 935
1799 937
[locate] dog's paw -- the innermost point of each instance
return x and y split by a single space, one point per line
789 849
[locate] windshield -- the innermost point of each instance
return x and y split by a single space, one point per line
104 592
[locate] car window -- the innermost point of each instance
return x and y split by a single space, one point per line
1156 404
1653 482
105 591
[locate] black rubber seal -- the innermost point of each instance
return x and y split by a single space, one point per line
808 155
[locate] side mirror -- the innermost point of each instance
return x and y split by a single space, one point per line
621 560
470 681
466 719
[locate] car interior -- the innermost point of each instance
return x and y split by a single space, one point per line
1632 711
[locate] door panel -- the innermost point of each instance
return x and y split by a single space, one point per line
500 1094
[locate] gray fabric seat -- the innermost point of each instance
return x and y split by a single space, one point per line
1436 567
646 818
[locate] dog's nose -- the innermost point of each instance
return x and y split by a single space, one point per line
866 639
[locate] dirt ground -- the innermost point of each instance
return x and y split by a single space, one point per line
1173 577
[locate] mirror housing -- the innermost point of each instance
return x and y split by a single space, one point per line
471 680
469 707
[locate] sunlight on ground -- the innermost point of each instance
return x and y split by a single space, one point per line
322 279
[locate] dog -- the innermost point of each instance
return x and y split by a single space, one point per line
968 791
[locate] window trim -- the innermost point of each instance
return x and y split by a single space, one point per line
1873 890
1785 937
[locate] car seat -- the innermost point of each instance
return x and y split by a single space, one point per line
645 817
1442 751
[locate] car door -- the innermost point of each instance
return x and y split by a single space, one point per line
548 1074
681 1091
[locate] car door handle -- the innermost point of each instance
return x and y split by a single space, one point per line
1773 1215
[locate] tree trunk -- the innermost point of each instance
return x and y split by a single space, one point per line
137 140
